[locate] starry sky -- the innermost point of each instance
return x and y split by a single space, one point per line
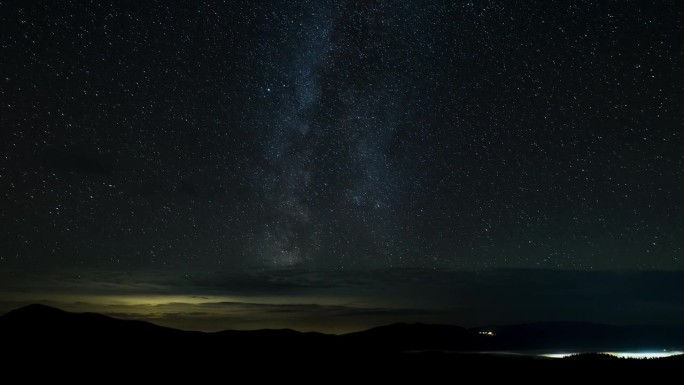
310 157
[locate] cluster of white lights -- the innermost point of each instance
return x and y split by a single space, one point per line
645 354
661 354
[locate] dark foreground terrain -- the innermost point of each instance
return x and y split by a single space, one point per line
41 336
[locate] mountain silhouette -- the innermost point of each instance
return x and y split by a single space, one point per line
45 323
47 334
40 321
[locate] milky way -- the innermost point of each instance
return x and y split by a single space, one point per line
331 183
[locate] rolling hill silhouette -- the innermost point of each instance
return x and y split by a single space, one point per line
44 333
44 323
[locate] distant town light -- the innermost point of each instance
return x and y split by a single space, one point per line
660 354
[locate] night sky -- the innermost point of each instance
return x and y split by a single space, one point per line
333 165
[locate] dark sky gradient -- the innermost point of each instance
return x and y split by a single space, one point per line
341 138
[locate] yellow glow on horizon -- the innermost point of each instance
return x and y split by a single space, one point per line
205 312
132 299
